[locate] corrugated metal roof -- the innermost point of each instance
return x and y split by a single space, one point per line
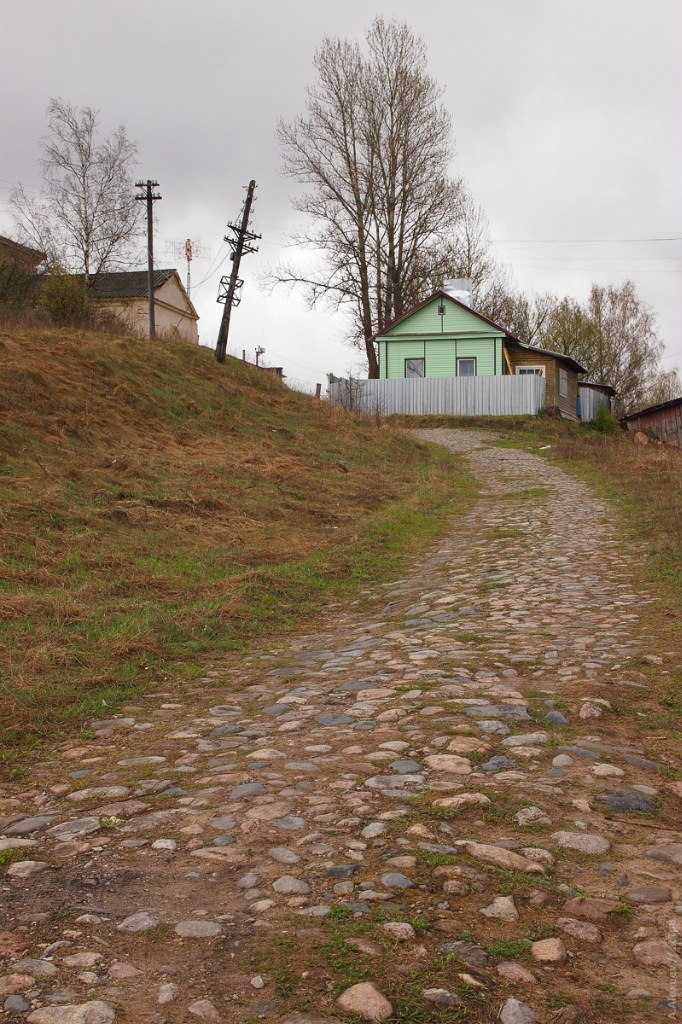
654 408
593 386
125 284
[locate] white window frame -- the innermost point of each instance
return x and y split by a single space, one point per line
467 359
528 371
563 382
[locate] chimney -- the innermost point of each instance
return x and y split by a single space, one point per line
459 288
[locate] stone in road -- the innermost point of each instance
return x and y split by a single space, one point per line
374 818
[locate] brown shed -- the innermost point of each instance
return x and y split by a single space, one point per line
29 259
663 421
560 373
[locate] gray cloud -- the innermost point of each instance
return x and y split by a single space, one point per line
564 114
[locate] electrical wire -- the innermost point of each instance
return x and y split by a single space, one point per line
211 270
581 241
303 366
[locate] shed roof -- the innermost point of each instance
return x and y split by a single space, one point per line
604 388
132 284
126 284
654 408
21 251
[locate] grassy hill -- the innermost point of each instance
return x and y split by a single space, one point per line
159 511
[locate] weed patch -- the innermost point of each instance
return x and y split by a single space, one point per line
10 856
514 949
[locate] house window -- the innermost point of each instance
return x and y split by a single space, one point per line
526 371
563 382
415 367
466 367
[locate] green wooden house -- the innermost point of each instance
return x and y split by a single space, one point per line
442 337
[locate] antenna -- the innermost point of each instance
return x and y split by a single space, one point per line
188 249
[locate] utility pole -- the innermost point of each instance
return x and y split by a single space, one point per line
240 241
149 197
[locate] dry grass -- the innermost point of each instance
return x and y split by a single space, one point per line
158 510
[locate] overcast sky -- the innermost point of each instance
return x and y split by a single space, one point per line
566 116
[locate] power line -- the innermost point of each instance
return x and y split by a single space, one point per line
565 265
304 366
580 241
4 182
598 259
212 269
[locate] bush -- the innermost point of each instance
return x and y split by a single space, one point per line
15 285
64 298
604 422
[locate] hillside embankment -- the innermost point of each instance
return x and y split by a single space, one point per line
159 510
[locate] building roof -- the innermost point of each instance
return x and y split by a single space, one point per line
654 408
604 388
22 252
132 284
126 284
440 294
548 352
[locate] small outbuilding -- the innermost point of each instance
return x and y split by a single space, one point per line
560 373
593 397
124 294
663 421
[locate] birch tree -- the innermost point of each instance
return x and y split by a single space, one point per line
373 148
613 334
85 217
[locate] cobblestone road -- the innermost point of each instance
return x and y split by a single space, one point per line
437 808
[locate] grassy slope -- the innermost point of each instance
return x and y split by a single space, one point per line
159 511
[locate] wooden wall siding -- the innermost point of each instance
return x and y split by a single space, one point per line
443 396
567 404
456 321
665 423
440 355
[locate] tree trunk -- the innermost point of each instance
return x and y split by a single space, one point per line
372 361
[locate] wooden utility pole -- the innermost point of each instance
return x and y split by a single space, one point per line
240 241
149 198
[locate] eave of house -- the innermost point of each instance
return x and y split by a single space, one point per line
440 294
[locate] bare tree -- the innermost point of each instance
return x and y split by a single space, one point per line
469 255
86 217
623 347
664 388
373 147
528 317
613 334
